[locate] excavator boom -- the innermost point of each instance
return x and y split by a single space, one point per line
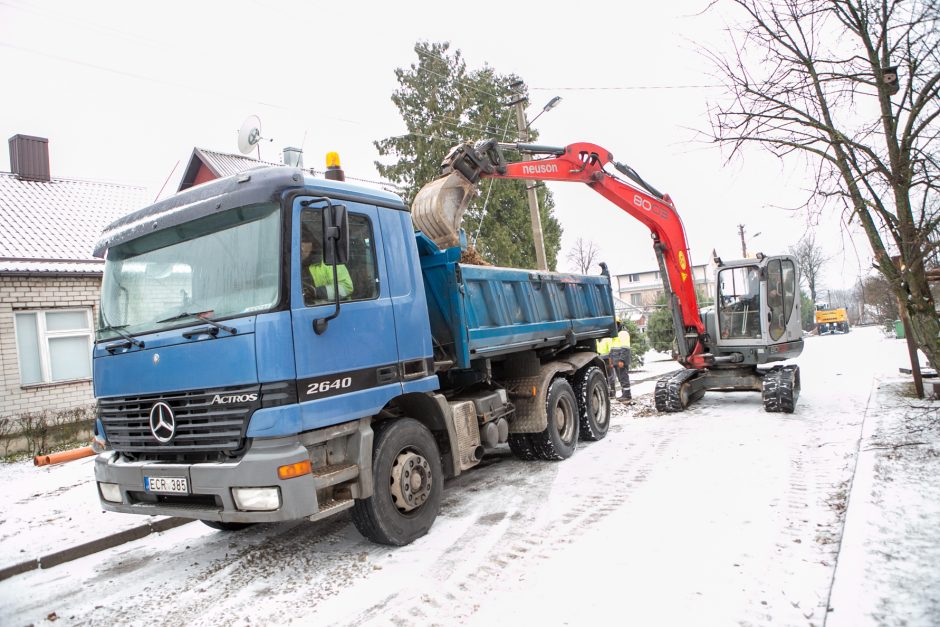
438 209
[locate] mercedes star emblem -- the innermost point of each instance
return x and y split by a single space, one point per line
162 422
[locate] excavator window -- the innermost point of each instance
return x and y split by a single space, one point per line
739 303
775 299
789 287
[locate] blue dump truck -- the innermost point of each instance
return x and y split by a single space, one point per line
274 346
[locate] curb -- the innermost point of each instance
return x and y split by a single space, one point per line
83 550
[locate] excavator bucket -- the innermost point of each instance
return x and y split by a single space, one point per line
438 208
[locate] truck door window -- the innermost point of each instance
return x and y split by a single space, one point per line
777 312
357 279
739 303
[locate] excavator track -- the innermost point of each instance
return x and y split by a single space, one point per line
781 389
669 395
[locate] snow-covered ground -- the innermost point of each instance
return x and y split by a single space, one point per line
721 515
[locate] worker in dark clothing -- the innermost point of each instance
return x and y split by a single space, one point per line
620 356
616 351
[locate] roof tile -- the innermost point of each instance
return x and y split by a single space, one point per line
53 226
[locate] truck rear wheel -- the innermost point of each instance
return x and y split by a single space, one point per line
590 388
406 467
560 437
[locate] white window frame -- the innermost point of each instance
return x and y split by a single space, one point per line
45 360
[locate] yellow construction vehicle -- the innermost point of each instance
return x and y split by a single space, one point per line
831 320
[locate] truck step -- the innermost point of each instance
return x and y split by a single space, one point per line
334 474
333 506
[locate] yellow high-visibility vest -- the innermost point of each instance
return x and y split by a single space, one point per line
322 276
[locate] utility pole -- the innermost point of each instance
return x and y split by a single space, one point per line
743 243
536 218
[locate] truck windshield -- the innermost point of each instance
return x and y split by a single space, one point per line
221 266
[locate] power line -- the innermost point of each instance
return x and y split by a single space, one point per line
624 87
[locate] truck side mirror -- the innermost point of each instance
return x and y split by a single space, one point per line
335 229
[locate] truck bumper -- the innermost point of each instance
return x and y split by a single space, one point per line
211 486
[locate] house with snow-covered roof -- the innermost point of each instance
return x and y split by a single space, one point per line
49 283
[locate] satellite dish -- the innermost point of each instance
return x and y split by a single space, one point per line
249 134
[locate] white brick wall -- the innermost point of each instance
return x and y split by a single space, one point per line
19 293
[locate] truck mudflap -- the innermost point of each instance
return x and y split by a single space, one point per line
212 491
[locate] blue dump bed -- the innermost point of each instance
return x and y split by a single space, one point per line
484 311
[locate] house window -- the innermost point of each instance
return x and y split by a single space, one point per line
54 345
633 278
636 299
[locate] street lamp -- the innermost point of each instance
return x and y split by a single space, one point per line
744 241
551 104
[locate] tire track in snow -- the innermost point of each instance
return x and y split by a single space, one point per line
510 537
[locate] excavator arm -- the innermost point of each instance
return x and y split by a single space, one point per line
439 207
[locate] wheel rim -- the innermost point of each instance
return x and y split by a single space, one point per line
598 404
410 481
564 420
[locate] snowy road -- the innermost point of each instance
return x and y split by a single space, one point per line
722 515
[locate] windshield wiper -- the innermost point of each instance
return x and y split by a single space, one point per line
201 316
127 336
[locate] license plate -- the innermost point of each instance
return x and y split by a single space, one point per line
173 485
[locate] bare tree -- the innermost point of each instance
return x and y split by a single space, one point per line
583 254
853 87
880 300
811 259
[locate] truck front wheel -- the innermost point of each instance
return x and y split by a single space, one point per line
406 467
560 437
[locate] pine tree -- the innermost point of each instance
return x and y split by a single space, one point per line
444 104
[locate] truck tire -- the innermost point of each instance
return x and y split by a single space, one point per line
406 468
560 437
521 446
590 388
226 526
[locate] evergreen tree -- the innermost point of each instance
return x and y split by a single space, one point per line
638 344
660 330
444 104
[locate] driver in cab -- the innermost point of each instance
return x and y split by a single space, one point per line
317 276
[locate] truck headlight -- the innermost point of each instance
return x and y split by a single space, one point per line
257 499
110 492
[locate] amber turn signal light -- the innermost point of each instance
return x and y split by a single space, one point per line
295 470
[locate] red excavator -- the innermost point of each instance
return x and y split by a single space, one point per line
756 317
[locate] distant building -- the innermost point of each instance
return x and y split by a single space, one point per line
49 280
644 289
206 165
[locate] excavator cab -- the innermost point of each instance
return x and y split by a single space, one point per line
757 306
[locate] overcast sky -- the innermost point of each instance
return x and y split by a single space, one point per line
124 91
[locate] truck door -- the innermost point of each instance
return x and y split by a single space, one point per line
351 369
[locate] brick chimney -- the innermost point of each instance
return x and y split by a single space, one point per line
29 157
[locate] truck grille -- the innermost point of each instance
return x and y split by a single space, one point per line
203 431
